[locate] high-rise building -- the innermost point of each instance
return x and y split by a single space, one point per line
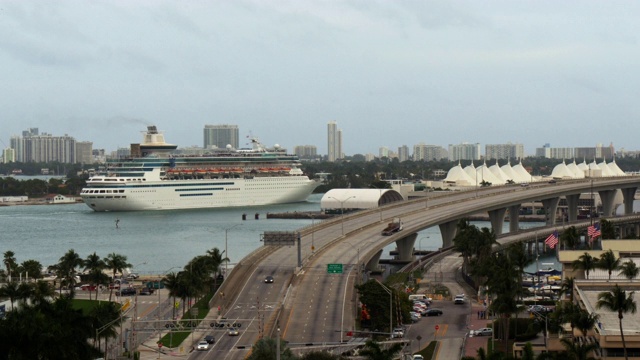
221 135
504 151
464 151
8 155
306 151
403 153
424 152
33 147
84 152
383 152
334 142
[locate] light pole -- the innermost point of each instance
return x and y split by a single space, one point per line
420 241
278 345
390 306
342 209
158 310
313 230
226 231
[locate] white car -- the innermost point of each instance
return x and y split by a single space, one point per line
397 333
482 332
202 345
418 357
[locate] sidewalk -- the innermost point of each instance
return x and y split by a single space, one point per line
473 343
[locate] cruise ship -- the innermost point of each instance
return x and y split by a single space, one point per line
153 178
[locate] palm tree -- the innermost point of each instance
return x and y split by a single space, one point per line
577 351
372 351
10 290
105 318
567 287
617 300
67 267
116 263
585 321
41 292
10 262
32 269
608 230
266 349
585 262
173 283
94 265
570 238
629 269
609 262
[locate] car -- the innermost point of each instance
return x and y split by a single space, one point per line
233 332
88 287
552 181
132 276
202 345
209 339
524 184
146 291
482 332
397 333
415 317
539 309
418 357
126 291
459 299
433 312
268 279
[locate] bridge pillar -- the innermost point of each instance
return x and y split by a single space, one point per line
448 231
372 264
405 247
497 220
607 197
514 218
628 195
572 205
550 209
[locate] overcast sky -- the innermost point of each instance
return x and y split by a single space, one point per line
390 73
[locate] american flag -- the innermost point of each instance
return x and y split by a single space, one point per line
593 231
552 240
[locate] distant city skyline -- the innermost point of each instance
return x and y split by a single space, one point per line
390 73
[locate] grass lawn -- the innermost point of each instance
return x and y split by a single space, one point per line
175 338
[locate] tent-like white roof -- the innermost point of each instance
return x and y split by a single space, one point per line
357 198
615 169
561 171
605 168
583 166
520 170
508 170
577 172
457 175
471 171
497 171
484 173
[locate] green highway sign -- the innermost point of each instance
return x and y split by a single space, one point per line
334 268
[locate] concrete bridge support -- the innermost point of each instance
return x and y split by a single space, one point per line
607 197
405 247
514 218
572 205
497 220
448 231
550 208
628 194
372 264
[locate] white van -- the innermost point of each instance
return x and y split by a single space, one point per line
421 297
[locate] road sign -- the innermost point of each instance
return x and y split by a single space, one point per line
437 327
159 345
334 268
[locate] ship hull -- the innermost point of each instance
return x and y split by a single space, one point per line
200 194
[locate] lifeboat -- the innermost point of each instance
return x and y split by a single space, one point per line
201 171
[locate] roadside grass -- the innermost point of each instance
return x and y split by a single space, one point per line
428 351
175 338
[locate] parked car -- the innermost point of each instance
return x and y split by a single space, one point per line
397 333
415 317
433 312
539 309
202 345
126 291
418 357
209 339
482 332
146 291
132 276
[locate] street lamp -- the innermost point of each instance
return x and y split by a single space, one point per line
226 231
158 309
342 208
390 306
313 230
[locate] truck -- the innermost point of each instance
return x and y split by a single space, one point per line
393 227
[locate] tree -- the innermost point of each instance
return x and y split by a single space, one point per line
266 349
585 321
629 269
567 287
10 290
617 300
31 268
608 230
10 262
94 265
372 351
116 263
585 262
578 351
609 262
570 238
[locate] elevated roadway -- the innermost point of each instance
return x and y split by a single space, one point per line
313 308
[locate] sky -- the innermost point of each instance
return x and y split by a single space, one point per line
390 73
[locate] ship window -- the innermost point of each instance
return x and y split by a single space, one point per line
101 191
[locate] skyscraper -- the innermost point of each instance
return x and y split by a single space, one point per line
221 135
36 147
464 151
334 142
